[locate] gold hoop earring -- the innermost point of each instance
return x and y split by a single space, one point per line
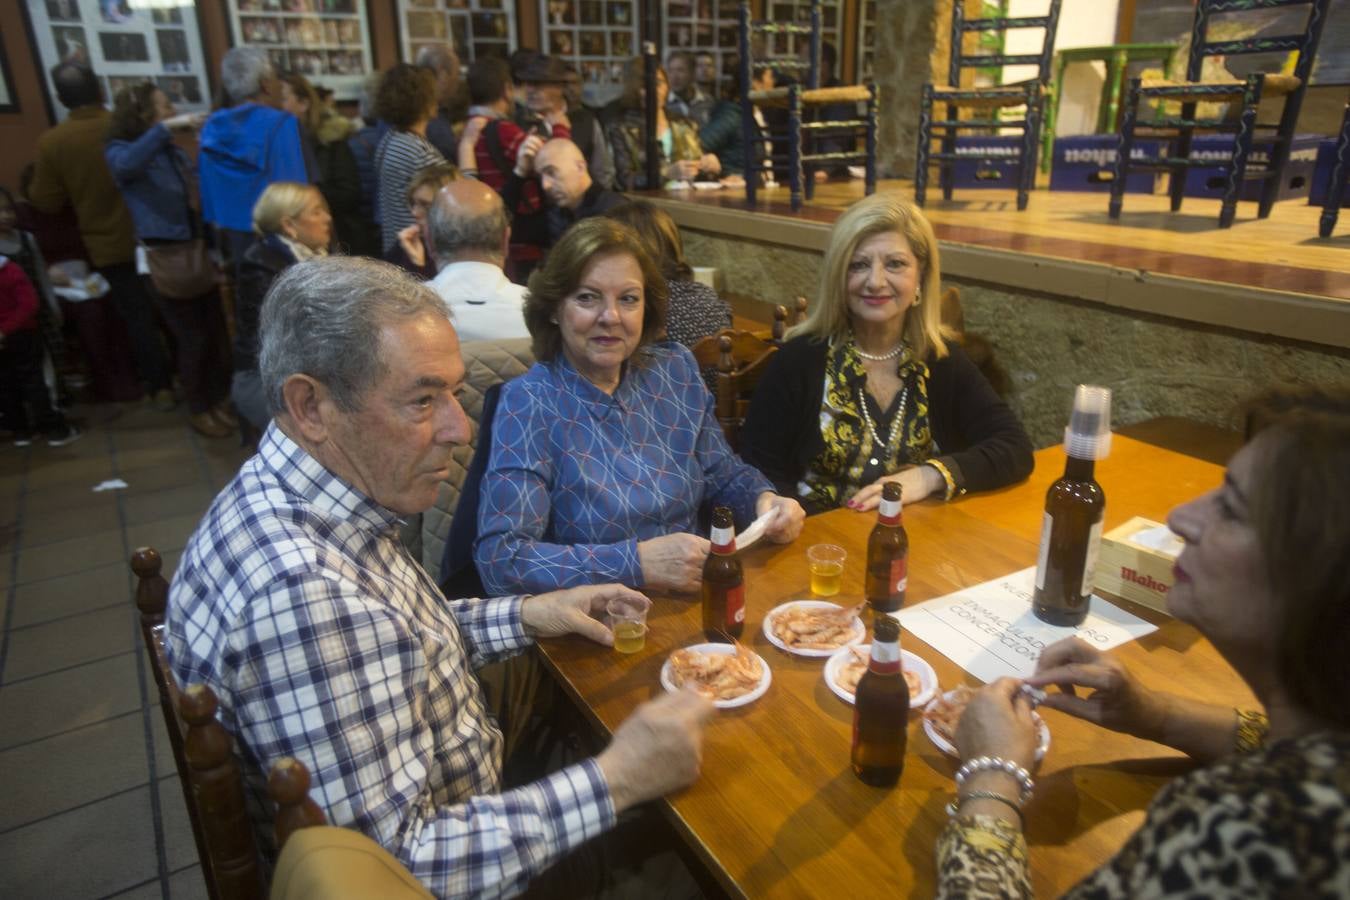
916 296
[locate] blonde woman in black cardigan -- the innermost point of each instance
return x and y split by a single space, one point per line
869 389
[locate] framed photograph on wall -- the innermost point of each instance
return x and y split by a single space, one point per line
125 42
327 41
9 101
595 38
478 28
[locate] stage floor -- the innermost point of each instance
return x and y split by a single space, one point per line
1280 253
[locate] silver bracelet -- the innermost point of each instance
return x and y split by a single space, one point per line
955 806
996 764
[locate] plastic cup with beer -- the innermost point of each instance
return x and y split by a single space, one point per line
628 621
826 562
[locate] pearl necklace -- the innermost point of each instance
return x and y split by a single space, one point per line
878 357
872 428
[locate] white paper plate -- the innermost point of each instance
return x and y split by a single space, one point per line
707 185
726 650
928 680
946 746
859 629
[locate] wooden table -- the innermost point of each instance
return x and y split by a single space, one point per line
778 811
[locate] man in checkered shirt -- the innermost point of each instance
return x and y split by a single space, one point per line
324 640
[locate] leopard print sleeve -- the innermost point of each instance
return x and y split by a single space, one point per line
982 857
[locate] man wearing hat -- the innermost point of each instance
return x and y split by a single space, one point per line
552 92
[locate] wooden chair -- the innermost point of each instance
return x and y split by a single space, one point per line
739 358
1340 176
1242 95
986 102
203 751
783 319
798 98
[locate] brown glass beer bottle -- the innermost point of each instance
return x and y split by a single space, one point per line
1071 530
881 710
887 555
723 583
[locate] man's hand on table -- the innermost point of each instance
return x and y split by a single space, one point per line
656 750
787 524
673 562
574 611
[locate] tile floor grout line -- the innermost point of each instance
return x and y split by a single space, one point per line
76 808
91 568
11 593
65 616
68 731
156 813
87 662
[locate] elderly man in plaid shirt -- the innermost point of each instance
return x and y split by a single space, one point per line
326 641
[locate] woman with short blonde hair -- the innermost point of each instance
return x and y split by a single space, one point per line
868 390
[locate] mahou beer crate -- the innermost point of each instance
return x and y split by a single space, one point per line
1130 570
1084 163
1207 181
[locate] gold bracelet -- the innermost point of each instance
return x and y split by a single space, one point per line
955 806
946 476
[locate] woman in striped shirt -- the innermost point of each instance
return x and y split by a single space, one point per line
407 101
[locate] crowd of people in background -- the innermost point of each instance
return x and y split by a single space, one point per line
125 208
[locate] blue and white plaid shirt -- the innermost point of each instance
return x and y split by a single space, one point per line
297 604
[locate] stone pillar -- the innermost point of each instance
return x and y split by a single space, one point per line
911 49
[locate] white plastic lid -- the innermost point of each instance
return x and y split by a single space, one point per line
1089 433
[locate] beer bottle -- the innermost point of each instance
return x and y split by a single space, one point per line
1071 530
881 710
887 554
723 583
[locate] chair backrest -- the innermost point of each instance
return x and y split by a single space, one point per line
998 26
1303 42
213 787
485 363
783 319
739 358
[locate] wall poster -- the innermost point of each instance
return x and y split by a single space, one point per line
124 42
327 41
477 28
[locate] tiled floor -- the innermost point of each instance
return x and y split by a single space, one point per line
89 801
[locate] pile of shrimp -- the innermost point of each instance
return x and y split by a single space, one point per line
851 672
717 676
819 628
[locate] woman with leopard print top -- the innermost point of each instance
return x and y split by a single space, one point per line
1265 576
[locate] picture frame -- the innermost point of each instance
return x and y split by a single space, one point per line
327 41
9 100
125 43
478 28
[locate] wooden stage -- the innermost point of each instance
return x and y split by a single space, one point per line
1271 276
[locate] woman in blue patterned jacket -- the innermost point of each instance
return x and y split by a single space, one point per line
607 450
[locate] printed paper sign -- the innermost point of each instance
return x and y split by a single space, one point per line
990 631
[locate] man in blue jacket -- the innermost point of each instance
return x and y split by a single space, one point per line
247 146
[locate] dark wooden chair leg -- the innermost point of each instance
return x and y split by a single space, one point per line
1340 176
1124 145
925 140
947 170
1242 148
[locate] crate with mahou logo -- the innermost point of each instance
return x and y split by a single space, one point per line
1209 181
1083 163
1133 571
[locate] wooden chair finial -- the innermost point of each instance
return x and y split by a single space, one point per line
288 786
152 591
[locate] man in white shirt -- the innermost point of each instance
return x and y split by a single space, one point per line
469 237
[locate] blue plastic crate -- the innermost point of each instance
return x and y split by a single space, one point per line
999 172
1321 179
1207 181
1078 164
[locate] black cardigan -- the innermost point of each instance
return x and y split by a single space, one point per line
981 441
